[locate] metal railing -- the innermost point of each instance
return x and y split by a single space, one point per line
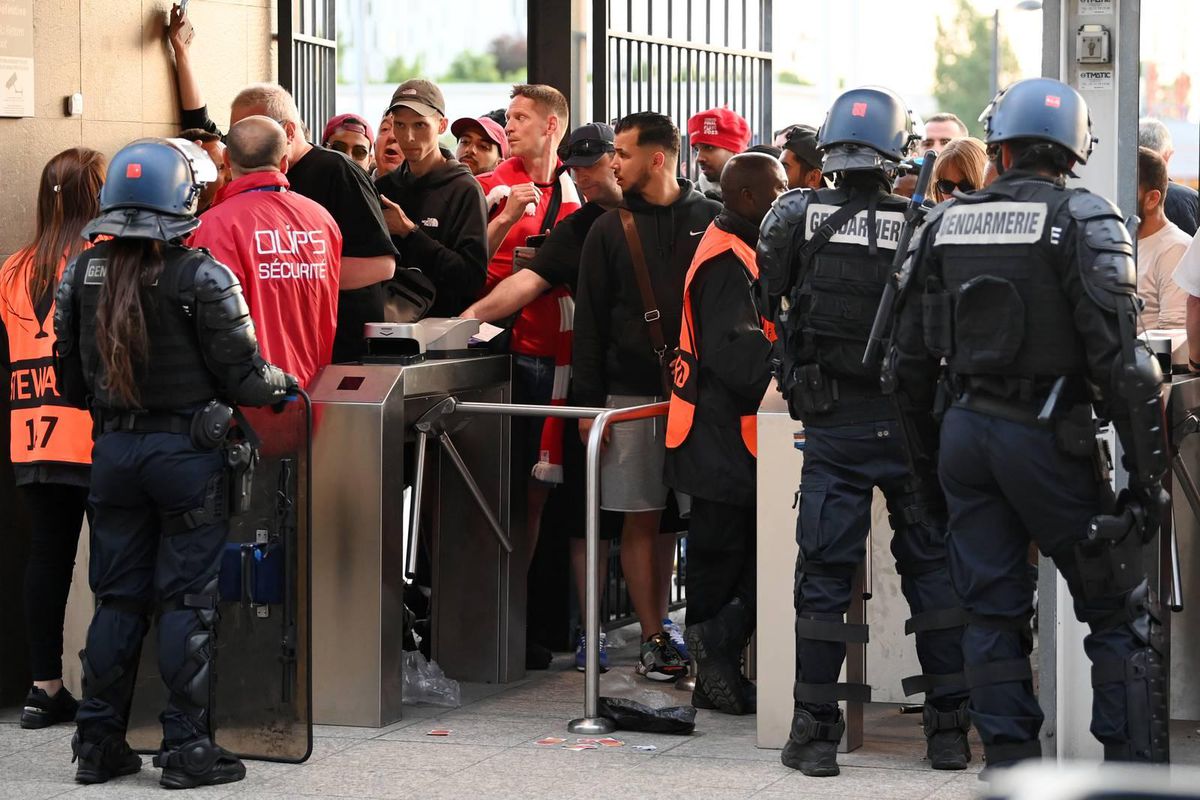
431 424
680 57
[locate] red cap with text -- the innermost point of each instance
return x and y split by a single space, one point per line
719 127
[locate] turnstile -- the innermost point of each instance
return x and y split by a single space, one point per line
364 417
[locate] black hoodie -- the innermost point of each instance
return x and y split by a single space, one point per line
613 353
450 242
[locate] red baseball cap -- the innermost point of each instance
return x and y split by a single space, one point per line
349 122
490 128
719 127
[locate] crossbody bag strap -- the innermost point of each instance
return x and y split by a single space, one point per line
651 314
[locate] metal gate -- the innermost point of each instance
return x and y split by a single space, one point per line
308 58
680 57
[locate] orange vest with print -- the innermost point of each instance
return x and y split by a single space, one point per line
685 370
45 428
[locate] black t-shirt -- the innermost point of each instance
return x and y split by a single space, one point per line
557 260
345 191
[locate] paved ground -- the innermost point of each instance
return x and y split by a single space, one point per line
492 754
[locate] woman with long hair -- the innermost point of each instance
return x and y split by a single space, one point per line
959 167
50 442
156 339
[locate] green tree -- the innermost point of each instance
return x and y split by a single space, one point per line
400 69
471 67
963 73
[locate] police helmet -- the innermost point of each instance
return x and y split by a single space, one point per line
151 190
1041 109
865 129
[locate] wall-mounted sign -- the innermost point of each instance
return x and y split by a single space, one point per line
16 58
1096 80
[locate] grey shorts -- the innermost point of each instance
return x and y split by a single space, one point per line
631 467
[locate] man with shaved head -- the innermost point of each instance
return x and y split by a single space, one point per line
720 374
284 248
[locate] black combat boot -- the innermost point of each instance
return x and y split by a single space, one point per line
749 694
198 762
812 745
946 737
716 645
110 757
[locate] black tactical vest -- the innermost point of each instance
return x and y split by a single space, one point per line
841 286
1001 310
174 375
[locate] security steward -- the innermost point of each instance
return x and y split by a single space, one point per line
1026 290
721 371
155 338
824 258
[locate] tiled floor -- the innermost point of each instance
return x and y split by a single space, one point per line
491 754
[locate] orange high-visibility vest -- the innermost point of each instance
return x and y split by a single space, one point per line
685 368
44 427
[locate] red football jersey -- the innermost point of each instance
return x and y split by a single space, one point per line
536 330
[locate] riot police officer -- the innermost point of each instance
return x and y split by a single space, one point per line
1026 291
155 338
825 256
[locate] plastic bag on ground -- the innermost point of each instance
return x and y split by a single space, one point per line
424 682
630 715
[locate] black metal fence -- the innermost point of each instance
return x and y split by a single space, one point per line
680 57
308 58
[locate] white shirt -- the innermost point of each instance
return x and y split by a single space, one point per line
1187 273
1157 255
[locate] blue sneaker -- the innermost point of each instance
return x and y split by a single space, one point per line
676 635
581 652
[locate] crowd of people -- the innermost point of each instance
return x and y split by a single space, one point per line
150 300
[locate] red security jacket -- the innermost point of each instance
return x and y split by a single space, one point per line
287 252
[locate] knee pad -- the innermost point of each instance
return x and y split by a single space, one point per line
115 681
192 681
1143 676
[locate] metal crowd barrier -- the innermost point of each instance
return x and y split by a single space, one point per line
591 722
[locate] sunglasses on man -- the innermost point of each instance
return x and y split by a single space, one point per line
947 187
357 152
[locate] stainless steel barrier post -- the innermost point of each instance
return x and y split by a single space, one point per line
591 722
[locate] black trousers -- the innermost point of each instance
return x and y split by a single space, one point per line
721 552
56 510
138 480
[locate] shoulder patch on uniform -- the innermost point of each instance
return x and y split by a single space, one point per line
992 223
888 225
97 268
